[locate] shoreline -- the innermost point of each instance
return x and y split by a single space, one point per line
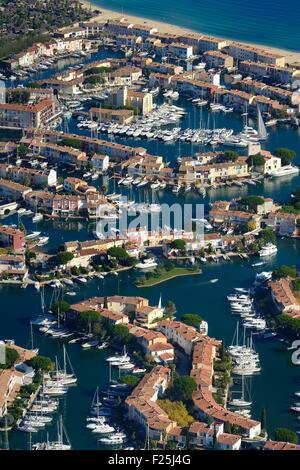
291 56
167 279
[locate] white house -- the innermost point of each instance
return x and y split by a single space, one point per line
100 162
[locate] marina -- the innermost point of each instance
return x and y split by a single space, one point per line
123 128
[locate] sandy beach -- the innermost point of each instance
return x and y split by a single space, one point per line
106 14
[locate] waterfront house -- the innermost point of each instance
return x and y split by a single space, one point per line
194 172
22 116
180 334
284 224
59 154
24 175
100 162
154 343
180 51
148 316
120 116
283 297
12 379
217 59
279 445
13 191
204 354
12 238
142 407
88 144
243 52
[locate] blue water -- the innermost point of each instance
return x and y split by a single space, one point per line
270 22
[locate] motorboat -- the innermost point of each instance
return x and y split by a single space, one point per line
285 171
38 217
263 277
146 264
268 250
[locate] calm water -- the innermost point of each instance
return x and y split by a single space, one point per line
270 22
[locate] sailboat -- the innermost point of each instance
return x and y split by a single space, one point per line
240 402
59 443
62 376
262 131
159 302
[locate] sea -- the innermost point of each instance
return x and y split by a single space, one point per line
272 389
267 22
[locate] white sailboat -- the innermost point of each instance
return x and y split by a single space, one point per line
262 131
240 402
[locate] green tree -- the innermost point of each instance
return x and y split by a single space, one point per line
182 388
192 319
176 411
256 160
61 307
11 356
41 363
285 435
121 334
251 202
286 155
70 142
263 418
170 308
130 380
284 271
178 244
118 252
267 236
250 225
296 285
230 156
63 257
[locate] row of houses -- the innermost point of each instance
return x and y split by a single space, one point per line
192 171
29 176
11 380
38 51
203 358
284 298
21 116
144 314
88 145
200 43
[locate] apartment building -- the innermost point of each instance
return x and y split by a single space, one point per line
27 115
120 116
28 175
193 172
247 52
88 144
142 407
217 59
13 191
180 51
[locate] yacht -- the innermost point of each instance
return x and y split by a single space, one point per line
38 217
146 264
42 241
90 344
285 171
33 235
262 277
268 250
117 438
103 429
